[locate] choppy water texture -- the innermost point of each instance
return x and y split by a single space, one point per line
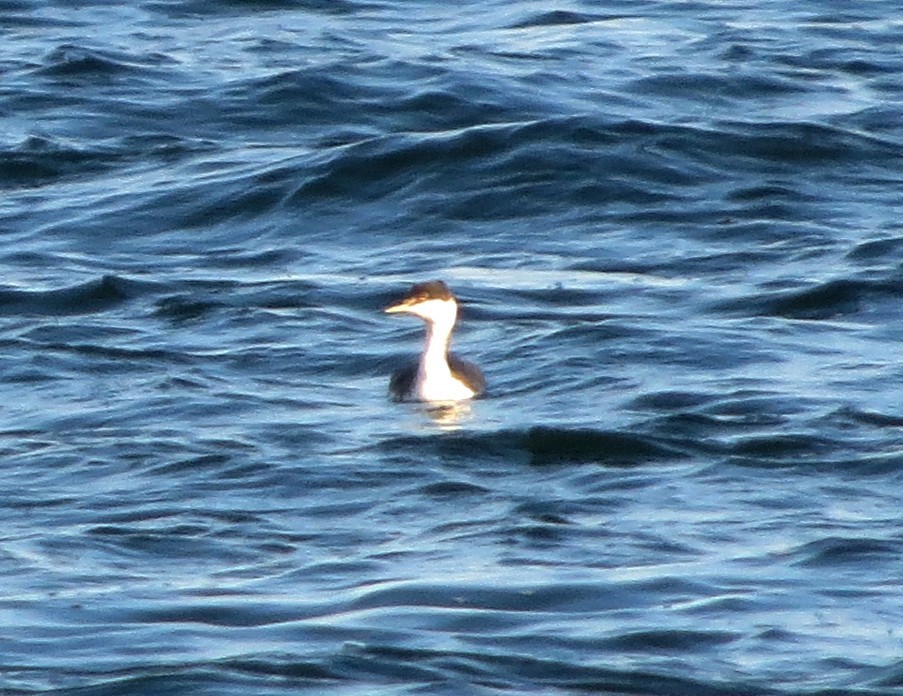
676 228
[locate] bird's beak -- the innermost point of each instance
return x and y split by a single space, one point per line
402 306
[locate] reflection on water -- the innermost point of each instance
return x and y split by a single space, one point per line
449 415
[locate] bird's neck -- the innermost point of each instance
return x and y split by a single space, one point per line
434 361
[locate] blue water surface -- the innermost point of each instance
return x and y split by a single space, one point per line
675 229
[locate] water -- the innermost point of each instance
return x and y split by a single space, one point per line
676 231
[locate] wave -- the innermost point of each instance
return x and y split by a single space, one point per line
39 160
392 668
543 445
748 430
526 163
85 298
581 162
555 18
194 9
836 551
888 248
826 300
71 61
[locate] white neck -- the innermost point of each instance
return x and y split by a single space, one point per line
435 381
434 361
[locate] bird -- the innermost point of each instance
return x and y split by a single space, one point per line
438 376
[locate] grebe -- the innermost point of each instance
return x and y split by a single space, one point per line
438 375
